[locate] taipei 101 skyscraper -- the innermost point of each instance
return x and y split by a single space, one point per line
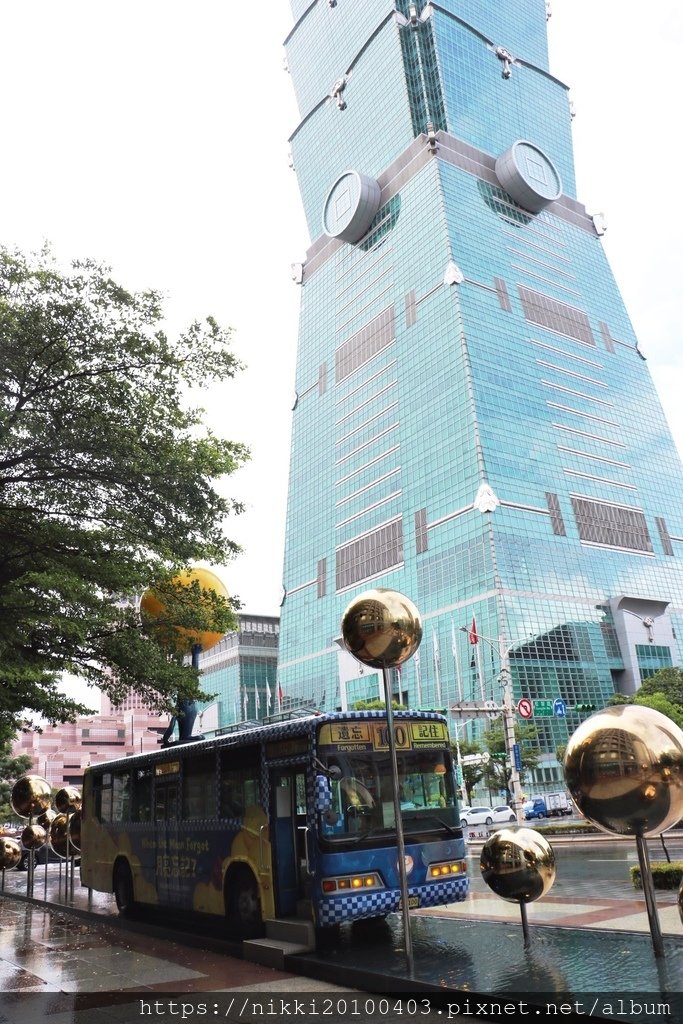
474 424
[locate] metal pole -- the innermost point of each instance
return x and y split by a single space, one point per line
649 893
399 821
525 924
509 730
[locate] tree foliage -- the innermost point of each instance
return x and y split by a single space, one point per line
668 682
497 772
11 768
108 484
662 691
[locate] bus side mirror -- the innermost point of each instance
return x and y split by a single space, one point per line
323 794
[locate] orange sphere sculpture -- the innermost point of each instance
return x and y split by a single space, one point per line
151 608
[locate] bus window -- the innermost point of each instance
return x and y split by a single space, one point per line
199 786
166 800
239 781
120 797
142 794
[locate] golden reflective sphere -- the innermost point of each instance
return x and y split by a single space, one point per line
46 818
518 865
59 834
30 795
624 769
33 837
10 852
74 830
68 799
381 628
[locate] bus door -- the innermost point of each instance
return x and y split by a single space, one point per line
166 818
288 838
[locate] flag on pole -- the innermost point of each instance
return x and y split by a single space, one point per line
280 697
245 703
456 660
257 702
437 668
473 637
418 684
269 695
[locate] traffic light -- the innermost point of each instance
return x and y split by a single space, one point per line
584 707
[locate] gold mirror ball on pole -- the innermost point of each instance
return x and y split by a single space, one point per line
381 628
518 865
10 853
68 799
31 795
624 769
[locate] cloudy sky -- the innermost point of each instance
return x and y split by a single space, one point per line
153 136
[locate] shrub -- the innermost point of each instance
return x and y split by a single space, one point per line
664 875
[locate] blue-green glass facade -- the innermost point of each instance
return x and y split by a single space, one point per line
475 425
241 672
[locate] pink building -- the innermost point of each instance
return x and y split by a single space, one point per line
61 752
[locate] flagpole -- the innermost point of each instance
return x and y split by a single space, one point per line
437 668
418 681
456 661
477 655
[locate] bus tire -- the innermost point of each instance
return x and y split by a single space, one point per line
124 893
242 904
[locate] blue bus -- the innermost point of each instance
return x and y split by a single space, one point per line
288 818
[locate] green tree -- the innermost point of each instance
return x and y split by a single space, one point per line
108 485
668 682
11 768
472 774
497 772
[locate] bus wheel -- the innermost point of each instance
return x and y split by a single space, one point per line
243 905
123 889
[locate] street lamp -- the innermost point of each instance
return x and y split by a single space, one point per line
507 711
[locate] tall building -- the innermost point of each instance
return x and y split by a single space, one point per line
241 672
474 424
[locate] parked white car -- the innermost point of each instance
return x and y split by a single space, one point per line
486 815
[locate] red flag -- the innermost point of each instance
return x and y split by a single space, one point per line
472 635
280 694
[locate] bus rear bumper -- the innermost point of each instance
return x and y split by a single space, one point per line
354 906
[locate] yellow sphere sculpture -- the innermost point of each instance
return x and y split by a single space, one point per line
624 769
151 608
381 628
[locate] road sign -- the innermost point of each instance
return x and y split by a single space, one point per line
543 708
474 759
559 708
493 709
517 756
525 708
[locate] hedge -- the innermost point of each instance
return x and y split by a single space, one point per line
664 875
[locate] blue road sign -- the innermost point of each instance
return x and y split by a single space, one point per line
517 755
559 708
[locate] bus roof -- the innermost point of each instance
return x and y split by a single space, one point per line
302 722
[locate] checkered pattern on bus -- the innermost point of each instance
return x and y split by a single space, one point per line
336 910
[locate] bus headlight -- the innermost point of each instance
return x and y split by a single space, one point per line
352 883
447 869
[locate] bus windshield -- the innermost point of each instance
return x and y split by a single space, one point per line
362 795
